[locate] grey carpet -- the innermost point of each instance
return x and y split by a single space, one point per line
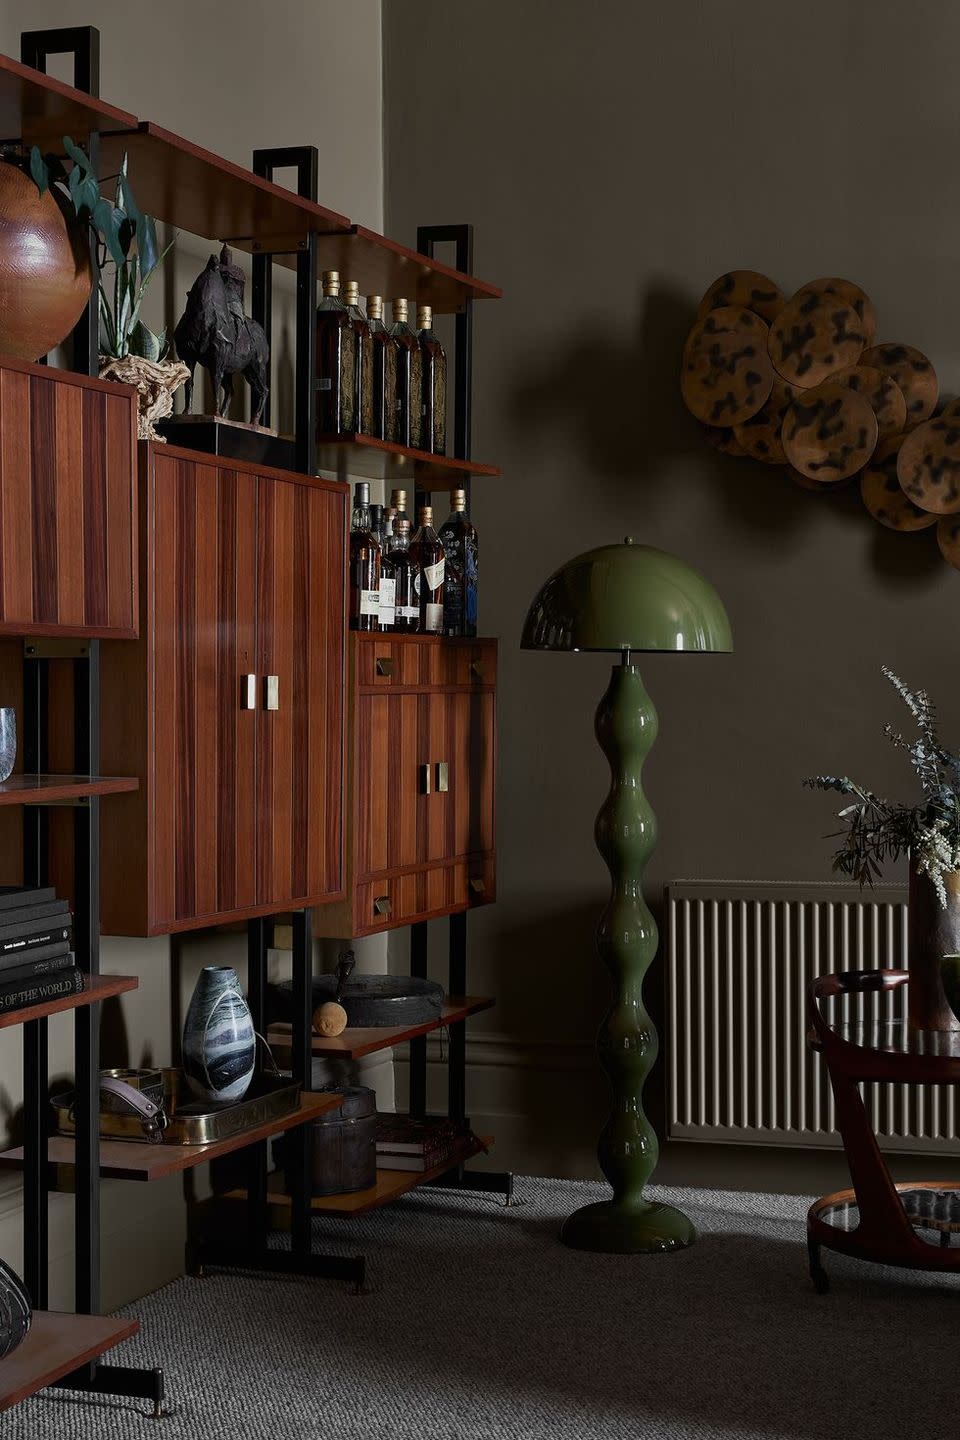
480 1325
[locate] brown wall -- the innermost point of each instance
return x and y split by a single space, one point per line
614 158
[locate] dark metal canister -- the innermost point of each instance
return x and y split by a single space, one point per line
345 1144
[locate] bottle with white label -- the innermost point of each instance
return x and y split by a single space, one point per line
398 567
365 562
429 567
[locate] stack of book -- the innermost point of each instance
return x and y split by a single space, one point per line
407 1144
36 962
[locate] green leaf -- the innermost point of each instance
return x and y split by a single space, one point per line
107 218
147 247
108 334
144 342
79 158
38 170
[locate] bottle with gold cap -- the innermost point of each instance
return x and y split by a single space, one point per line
458 536
398 503
409 398
363 385
383 374
427 557
336 362
433 370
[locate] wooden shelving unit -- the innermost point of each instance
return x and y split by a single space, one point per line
354 1044
53 789
95 988
40 110
365 455
57 1345
133 1160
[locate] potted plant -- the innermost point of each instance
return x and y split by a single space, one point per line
130 351
876 831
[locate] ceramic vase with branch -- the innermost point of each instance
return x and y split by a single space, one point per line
130 351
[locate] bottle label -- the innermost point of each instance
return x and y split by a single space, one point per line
433 574
388 591
408 612
369 602
325 384
433 619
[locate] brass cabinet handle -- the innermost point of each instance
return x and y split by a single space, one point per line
443 777
381 905
271 692
476 669
384 665
478 886
424 772
248 692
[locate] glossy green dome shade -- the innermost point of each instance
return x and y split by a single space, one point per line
627 597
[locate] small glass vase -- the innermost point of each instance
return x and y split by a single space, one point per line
8 741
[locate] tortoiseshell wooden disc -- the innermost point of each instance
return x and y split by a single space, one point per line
806 483
722 438
746 288
813 337
851 294
928 466
759 437
829 432
948 538
912 371
726 373
950 408
882 392
882 494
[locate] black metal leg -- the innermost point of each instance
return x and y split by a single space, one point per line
457 1059
101 1379
418 1046
818 1276
35 1222
257 1217
300 1142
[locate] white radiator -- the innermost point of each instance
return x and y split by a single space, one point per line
739 959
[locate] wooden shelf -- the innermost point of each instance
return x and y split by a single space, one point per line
96 987
133 1160
50 789
40 110
348 455
391 1184
352 1044
57 1345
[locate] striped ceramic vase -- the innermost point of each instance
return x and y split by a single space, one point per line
219 1045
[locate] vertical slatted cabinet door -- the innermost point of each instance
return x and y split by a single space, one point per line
301 569
387 799
204 630
471 721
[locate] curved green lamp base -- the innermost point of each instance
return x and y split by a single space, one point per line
612 1229
627 941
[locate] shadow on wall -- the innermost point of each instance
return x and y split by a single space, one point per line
619 405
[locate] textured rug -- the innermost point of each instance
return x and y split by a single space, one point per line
479 1326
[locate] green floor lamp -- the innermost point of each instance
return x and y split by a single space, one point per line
624 598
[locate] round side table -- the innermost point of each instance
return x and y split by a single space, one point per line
877 1219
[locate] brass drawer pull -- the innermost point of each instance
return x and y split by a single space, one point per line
476 669
443 777
384 665
381 905
478 886
248 692
271 692
424 771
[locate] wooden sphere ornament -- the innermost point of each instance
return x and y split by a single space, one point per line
912 371
747 289
45 273
759 437
829 432
928 466
726 373
814 336
329 1019
948 538
851 294
883 394
883 495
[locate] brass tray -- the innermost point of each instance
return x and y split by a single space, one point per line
191 1121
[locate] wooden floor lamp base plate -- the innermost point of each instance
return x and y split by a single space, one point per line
611 1229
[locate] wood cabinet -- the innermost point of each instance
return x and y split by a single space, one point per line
230 708
421 807
68 500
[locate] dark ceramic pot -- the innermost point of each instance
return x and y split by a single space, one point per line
933 932
14 1310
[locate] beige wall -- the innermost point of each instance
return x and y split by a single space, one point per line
231 77
614 159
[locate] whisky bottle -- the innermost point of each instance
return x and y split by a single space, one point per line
364 564
406 601
458 536
428 561
409 384
433 370
383 389
336 362
388 581
398 502
378 528
388 519
363 384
